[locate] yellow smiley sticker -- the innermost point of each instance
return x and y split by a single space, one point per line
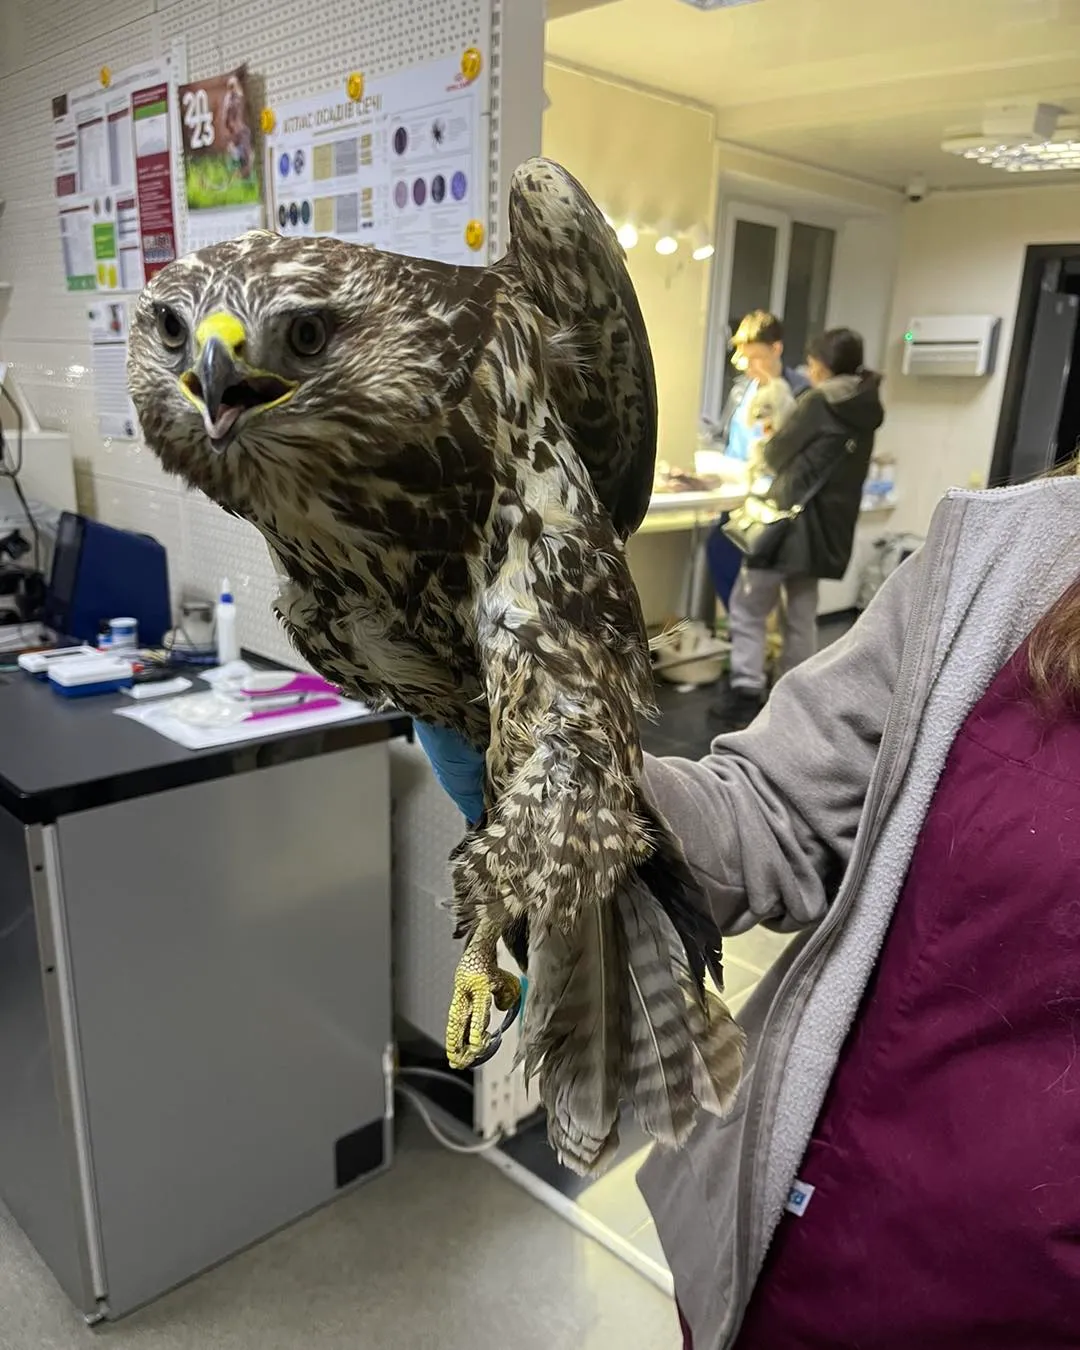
354 86
267 121
105 75
471 63
474 235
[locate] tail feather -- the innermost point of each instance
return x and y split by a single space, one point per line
574 1035
719 1049
658 1076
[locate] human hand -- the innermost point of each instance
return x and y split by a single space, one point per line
458 767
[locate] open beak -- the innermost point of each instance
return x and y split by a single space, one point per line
223 386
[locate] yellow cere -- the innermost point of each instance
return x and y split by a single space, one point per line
227 328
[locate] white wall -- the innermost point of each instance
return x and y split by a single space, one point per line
863 280
960 254
648 159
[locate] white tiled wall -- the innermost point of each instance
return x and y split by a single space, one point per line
292 47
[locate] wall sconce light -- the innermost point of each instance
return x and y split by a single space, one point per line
701 245
627 235
666 245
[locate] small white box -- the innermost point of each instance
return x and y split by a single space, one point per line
40 663
95 674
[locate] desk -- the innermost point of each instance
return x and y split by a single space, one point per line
695 512
195 1000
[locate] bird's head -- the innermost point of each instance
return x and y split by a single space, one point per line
306 357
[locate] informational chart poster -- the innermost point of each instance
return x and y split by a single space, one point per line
112 178
153 177
402 166
221 168
108 342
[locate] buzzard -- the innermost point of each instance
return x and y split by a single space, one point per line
445 463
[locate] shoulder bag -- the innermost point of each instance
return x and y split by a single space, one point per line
759 527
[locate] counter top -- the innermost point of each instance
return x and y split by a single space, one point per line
670 511
61 755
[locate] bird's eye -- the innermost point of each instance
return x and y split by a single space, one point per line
171 327
307 335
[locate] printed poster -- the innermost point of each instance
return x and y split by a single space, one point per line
65 151
153 177
221 167
402 168
101 176
108 347
77 245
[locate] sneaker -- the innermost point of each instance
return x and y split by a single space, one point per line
736 709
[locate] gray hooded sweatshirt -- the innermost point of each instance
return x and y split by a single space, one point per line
808 821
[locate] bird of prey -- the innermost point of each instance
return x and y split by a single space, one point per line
445 463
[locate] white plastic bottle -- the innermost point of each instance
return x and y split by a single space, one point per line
228 646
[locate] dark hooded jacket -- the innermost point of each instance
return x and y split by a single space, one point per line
833 424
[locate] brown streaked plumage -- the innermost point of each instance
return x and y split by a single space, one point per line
446 463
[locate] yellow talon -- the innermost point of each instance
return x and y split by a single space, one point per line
478 984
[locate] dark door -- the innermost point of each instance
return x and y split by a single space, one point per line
1035 449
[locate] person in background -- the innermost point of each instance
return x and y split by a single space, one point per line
758 356
902 1167
834 422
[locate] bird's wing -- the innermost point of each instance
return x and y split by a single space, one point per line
618 1009
573 270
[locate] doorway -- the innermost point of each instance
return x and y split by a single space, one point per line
1039 424
768 259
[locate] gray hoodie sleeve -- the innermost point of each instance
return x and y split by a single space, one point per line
768 818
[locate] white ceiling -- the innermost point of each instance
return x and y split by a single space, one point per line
867 88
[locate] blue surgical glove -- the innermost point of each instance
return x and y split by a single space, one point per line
458 767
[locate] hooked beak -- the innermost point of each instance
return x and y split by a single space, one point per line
223 386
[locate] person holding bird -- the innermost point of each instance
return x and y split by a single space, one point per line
902 1166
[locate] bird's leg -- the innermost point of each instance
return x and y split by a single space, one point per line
479 983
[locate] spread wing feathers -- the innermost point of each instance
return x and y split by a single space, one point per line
573 270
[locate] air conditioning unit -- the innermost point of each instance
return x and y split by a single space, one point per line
951 344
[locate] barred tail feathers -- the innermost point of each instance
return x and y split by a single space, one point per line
685 1051
574 1034
615 1016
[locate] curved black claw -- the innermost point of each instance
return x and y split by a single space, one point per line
509 1018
